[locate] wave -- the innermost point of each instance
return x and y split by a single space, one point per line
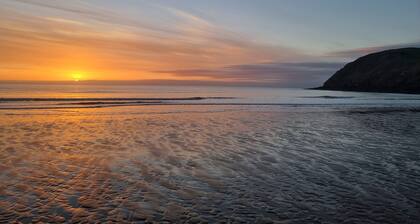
111 102
360 98
384 110
348 108
329 97
104 99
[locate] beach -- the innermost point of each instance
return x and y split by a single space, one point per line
208 163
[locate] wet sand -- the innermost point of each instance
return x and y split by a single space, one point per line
234 164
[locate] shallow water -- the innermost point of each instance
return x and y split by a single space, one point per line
211 163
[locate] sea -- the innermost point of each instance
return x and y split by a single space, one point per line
199 154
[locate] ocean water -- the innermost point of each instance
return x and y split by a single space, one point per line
90 96
138 154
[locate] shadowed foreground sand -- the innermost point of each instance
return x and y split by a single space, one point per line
197 163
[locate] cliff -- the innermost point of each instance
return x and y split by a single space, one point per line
395 71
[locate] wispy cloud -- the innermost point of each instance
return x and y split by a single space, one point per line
44 39
306 74
86 36
358 52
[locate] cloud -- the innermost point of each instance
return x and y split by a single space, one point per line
50 37
359 52
75 34
307 74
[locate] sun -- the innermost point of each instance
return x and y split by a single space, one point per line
77 76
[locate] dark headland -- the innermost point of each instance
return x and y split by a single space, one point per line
393 71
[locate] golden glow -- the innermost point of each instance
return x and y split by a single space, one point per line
77 76
76 48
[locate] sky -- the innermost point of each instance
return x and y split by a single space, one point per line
286 43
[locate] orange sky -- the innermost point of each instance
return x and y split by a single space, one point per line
58 40
89 44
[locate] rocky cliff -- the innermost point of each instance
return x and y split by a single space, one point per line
395 70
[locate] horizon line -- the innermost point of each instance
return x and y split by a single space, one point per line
156 82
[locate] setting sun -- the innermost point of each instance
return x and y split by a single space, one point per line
77 76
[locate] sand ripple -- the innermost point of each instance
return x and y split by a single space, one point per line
233 165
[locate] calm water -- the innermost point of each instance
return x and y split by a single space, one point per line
16 96
134 154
